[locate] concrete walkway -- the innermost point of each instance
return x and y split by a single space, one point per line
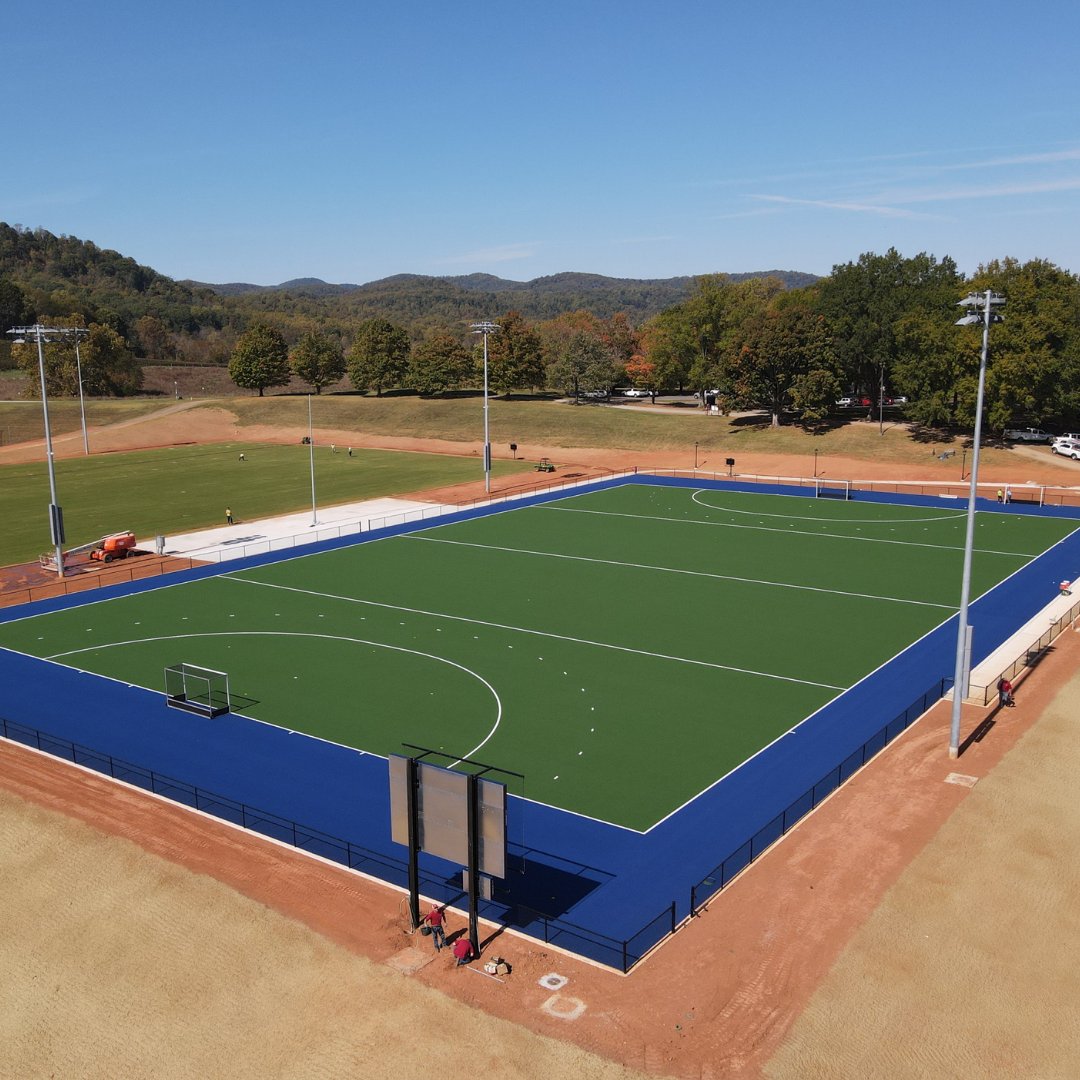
291 530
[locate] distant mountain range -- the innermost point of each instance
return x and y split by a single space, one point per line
409 298
63 274
489 283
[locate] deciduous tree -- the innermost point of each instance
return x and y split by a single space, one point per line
439 363
515 356
379 357
260 359
783 346
318 360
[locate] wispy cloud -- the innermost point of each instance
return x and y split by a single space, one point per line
1016 176
504 253
986 191
646 239
842 204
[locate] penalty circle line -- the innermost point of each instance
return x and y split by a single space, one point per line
330 637
944 516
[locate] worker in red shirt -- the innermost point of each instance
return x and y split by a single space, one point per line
462 951
435 919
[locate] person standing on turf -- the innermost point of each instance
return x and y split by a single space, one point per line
435 918
228 515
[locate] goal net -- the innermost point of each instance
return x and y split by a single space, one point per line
197 689
832 489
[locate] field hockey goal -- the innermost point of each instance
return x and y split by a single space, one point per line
832 489
197 689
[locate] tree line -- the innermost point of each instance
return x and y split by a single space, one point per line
883 323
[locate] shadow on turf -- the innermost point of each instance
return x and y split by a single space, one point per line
535 886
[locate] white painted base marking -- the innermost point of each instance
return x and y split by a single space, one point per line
563 1007
961 779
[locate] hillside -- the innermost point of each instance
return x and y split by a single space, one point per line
62 275
409 296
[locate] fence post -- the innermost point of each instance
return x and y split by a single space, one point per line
673 916
693 901
625 966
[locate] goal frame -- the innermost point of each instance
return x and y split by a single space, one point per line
832 489
196 689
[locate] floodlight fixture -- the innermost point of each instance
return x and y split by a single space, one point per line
987 302
485 328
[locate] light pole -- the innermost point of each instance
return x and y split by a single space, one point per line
311 461
486 328
77 332
881 402
56 516
988 301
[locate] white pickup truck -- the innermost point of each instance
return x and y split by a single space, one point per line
1027 434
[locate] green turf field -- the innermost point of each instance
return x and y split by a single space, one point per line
623 648
184 488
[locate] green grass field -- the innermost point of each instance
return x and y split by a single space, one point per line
623 648
184 488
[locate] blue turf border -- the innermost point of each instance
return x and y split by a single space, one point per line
592 888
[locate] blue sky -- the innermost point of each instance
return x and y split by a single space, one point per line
350 141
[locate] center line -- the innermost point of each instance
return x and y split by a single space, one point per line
676 570
535 633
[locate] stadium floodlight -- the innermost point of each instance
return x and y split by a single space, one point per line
41 334
987 302
486 328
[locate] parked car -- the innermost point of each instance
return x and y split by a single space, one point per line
1069 436
595 395
1027 434
1069 448
636 392
847 402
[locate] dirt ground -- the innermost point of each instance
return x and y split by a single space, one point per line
910 927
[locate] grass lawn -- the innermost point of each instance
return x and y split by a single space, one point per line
22 421
558 423
184 488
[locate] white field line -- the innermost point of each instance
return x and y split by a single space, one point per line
54 658
785 532
689 573
535 633
943 515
